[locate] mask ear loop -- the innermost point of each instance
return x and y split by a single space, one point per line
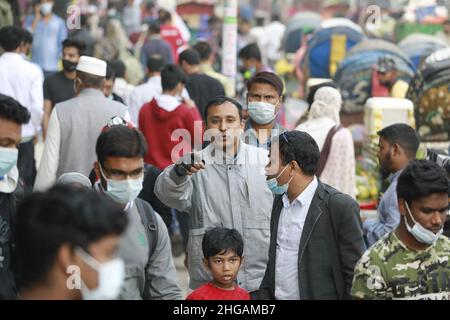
409 212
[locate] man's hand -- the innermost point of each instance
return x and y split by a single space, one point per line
188 169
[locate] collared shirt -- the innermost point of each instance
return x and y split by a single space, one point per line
251 138
388 214
23 81
290 228
232 194
142 94
47 43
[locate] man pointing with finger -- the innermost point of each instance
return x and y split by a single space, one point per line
222 185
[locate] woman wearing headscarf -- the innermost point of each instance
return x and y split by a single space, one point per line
337 156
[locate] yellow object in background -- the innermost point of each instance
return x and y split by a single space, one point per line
337 51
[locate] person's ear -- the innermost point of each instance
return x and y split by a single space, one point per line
396 149
402 207
65 258
206 263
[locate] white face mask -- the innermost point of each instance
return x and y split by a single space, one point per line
261 112
420 233
123 191
46 8
111 275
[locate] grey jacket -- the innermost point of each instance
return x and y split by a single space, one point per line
331 244
233 195
160 270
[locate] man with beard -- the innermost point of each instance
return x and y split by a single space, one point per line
387 76
398 145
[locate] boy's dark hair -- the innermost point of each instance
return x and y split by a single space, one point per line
250 51
27 37
155 63
62 215
403 135
11 37
118 67
120 141
164 16
420 179
11 109
171 76
220 240
75 43
204 49
219 100
300 147
269 78
190 56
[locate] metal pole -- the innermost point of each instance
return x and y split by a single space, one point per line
229 40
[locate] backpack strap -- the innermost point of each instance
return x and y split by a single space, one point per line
148 218
326 149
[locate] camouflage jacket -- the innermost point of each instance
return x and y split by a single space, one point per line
389 270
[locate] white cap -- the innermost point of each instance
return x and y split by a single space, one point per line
92 65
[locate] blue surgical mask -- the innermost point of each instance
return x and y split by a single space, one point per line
8 159
123 191
420 233
261 112
275 188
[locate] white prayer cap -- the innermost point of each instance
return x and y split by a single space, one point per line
92 65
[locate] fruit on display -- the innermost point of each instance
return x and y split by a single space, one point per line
367 180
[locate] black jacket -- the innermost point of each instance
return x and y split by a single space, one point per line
330 245
7 211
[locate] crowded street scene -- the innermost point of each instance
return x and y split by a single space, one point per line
224 150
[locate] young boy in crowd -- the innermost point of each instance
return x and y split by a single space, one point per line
223 254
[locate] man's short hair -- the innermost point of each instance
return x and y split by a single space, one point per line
120 141
171 76
62 215
75 43
269 78
403 135
250 51
110 73
299 146
118 67
220 240
11 37
219 100
204 49
90 80
190 56
12 110
420 179
155 63
27 37
154 27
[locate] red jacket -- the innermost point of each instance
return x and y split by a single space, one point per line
157 125
173 36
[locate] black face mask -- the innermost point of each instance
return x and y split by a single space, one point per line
69 65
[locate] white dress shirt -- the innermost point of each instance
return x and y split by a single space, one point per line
143 94
290 228
23 81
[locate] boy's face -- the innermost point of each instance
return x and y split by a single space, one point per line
224 268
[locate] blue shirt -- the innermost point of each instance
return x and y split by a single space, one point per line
47 43
388 214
